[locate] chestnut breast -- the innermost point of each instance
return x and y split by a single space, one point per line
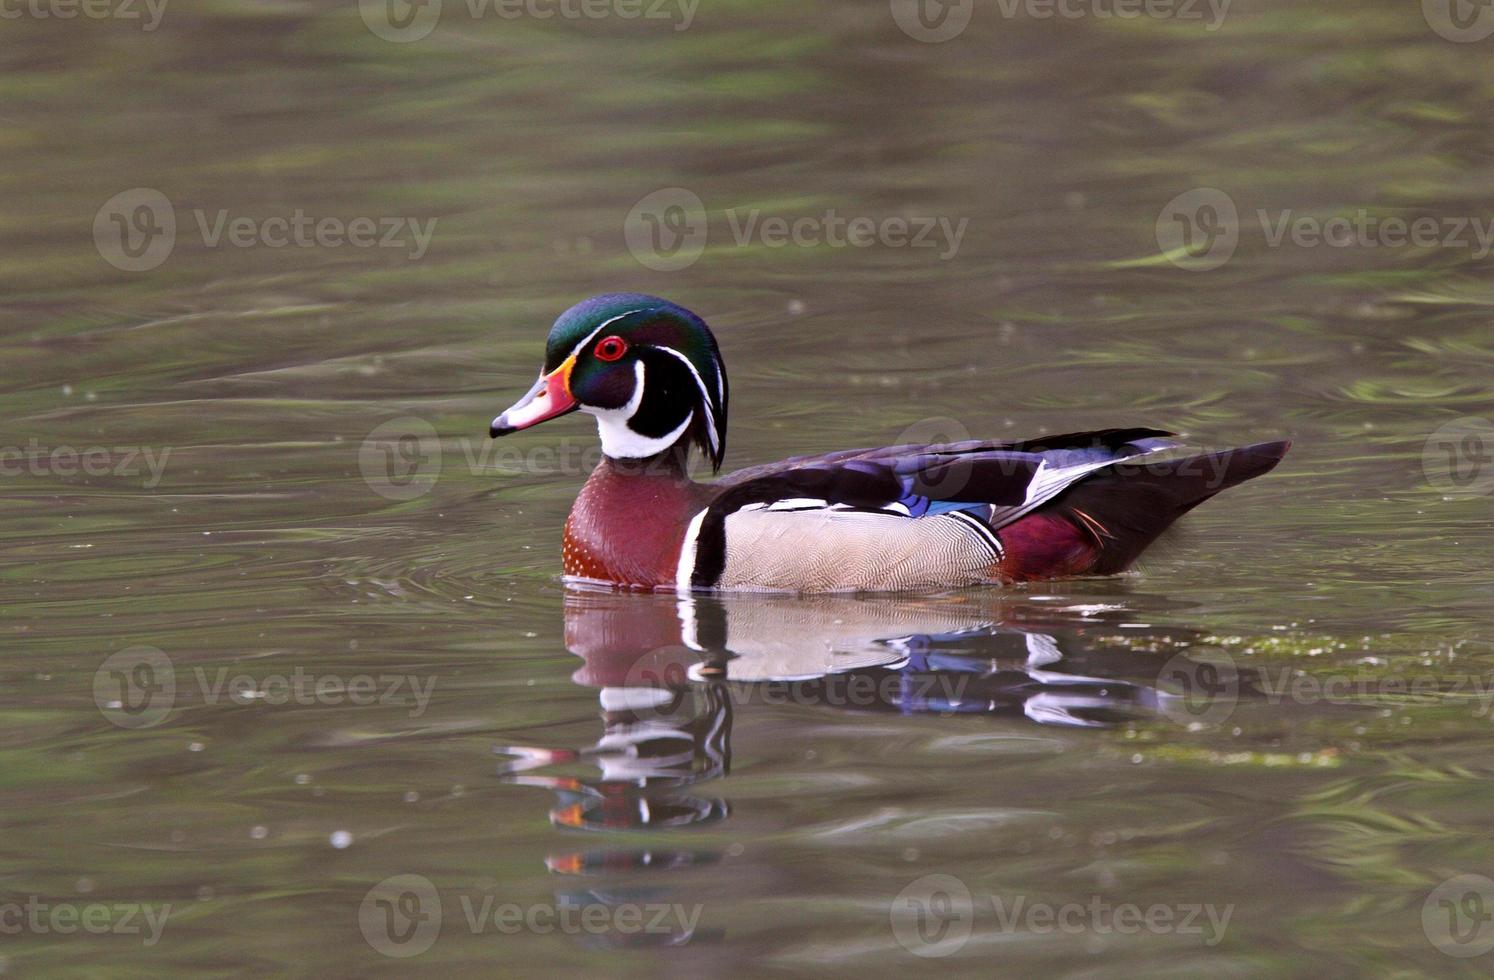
627 525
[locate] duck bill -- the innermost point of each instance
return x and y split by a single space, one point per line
549 398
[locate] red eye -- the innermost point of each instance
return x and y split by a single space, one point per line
611 348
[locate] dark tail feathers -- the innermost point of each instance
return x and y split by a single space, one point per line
1127 506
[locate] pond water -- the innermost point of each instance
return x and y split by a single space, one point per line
290 672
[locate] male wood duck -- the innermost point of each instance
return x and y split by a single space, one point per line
896 518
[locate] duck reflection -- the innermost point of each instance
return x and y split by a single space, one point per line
671 673
656 742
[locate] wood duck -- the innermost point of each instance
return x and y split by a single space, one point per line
912 517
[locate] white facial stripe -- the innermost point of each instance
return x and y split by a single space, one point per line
686 569
587 339
705 396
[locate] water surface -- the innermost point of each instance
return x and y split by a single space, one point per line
1124 740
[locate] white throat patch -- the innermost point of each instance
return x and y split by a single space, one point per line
621 442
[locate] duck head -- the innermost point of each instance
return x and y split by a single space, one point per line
647 369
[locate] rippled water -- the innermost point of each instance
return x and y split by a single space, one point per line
1282 720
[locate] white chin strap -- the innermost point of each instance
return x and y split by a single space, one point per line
621 442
